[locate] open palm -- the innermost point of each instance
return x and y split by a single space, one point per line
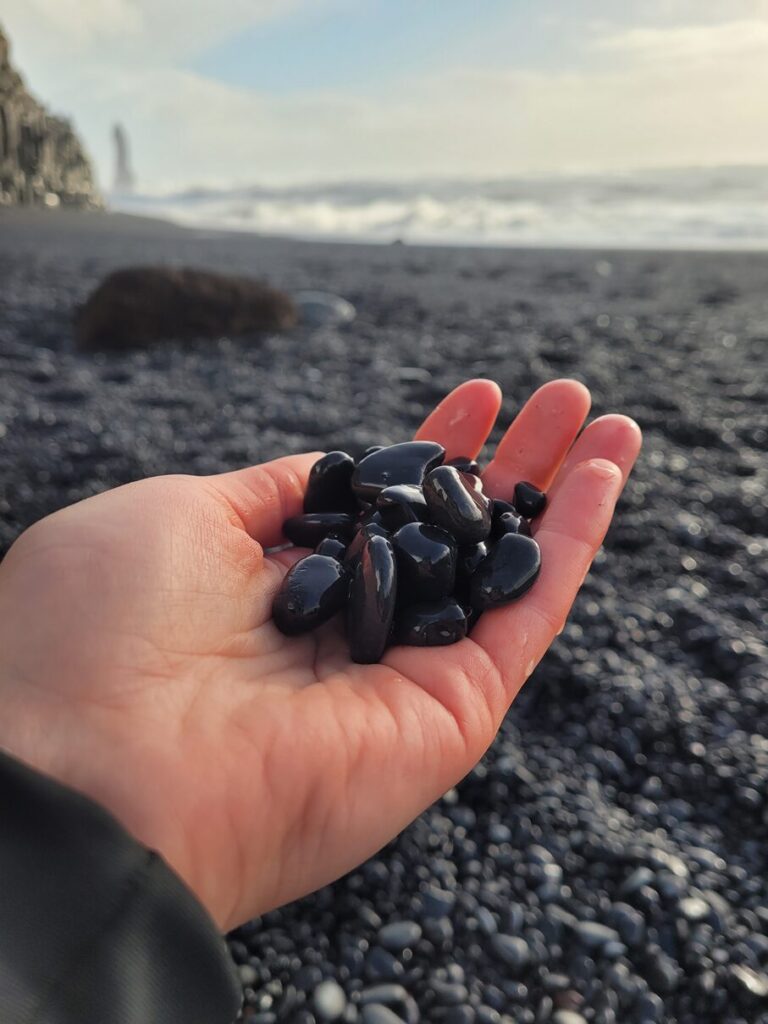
139 663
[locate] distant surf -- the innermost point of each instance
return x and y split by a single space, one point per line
711 208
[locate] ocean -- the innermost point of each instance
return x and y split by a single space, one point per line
699 208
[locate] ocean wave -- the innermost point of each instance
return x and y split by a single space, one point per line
701 208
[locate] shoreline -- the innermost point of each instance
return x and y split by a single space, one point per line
26 218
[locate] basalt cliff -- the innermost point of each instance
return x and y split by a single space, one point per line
42 161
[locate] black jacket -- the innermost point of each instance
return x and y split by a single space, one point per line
95 927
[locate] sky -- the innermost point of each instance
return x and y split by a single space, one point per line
222 92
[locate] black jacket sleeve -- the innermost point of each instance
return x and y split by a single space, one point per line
95 927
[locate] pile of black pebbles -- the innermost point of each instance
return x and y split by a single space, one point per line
409 544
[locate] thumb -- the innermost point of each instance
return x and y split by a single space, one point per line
262 497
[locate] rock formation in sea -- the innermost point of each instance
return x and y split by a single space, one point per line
42 161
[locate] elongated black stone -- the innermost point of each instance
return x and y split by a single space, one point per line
313 590
372 529
371 604
431 625
510 522
333 547
529 500
426 562
308 530
329 486
405 463
506 572
401 504
465 465
457 505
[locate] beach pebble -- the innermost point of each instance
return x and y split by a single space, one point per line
306 531
377 1013
506 573
457 505
511 949
313 590
371 605
333 547
323 309
528 500
329 486
405 463
426 562
431 625
329 1000
399 935
401 504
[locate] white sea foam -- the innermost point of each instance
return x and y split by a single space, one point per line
714 208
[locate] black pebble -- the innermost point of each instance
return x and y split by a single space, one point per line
405 463
329 486
510 522
465 465
333 547
431 625
457 504
371 529
499 507
308 530
529 500
506 573
401 504
313 590
372 601
426 562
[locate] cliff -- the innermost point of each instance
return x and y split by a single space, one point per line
40 155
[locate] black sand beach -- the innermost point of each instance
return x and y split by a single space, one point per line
606 862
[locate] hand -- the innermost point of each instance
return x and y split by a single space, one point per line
139 663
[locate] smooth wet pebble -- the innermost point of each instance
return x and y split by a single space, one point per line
506 573
528 500
306 531
329 487
371 604
313 590
405 463
434 624
426 562
457 505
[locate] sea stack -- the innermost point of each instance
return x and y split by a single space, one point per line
42 161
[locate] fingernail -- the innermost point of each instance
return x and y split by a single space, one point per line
604 468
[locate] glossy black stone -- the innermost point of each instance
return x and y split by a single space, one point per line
529 500
465 465
333 547
401 504
508 570
371 606
308 530
426 562
405 463
369 451
434 624
510 522
469 557
372 529
499 507
329 486
313 591
457 505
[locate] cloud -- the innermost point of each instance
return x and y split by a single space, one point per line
681 95
745 37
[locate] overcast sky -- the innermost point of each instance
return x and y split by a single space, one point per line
284 91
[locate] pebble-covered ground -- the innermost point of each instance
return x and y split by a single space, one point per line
606 862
